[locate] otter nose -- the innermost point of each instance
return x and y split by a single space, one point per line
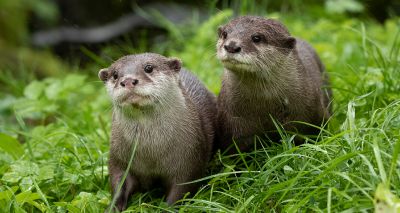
232 47
129 82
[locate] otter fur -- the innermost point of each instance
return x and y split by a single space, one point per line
268 76
167 116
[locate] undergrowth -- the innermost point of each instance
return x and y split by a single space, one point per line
54 136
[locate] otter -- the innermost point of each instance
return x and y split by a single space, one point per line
269 78
167 116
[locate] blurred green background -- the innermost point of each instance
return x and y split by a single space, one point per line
55 113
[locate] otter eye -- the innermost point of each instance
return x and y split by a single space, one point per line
115 76
256 38
148 68
224 34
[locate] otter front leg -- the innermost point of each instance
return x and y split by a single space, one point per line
130 185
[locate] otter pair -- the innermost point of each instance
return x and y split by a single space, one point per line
165 121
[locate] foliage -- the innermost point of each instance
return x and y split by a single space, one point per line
54 147
15 15
342 6
16 59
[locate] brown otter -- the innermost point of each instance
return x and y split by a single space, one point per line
269 75
167 116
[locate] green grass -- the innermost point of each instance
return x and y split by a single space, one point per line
55 132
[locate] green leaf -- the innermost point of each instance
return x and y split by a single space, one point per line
34 90
20 170
74 81
26 196
54 89
11 177
46 172
11 146
84 199
342 6
7 194
103 197
26 184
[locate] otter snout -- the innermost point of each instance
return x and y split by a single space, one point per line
232 47
129 82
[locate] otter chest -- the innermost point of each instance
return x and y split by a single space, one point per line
260 107
158 145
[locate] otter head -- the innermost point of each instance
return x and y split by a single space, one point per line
254 44
141 81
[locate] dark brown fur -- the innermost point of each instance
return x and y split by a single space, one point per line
277 76
173 135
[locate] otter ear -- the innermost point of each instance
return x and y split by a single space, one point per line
289 42
220 30
175 64
103 74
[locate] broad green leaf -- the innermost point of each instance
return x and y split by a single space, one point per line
7 194
73 81
342 6
103 197
46 172
19 170
26 184
11 177
53 90
19 209
73 209
84 200
34 90
26 196
11 146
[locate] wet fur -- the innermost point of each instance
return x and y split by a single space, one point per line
173 136
282 78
